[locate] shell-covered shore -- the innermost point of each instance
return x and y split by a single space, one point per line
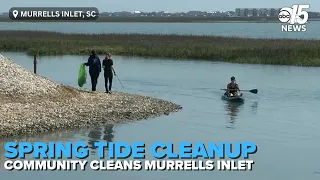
31 104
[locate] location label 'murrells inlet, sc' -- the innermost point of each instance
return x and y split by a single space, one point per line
51 13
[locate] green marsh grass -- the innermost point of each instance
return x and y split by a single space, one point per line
212 48
172 19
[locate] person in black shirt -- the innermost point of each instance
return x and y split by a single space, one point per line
108 72
232 87
94 64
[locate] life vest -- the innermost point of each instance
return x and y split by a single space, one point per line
235 86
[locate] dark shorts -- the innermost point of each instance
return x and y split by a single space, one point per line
94 74
108 74
230 92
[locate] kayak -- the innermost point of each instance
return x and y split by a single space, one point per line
238 98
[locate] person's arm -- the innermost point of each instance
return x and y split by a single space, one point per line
238 88
114 72
99 64
89 62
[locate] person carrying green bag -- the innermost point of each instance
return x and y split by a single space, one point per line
82 76
94 64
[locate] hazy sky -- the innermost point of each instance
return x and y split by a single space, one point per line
158 5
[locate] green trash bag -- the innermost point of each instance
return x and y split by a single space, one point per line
82 76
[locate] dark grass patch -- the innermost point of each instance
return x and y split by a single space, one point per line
173 19
212 48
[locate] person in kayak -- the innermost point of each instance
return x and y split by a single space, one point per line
232 87
108 72
94 64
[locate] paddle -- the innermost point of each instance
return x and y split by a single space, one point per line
254 91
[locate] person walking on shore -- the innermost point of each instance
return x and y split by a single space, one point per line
94 64
108 72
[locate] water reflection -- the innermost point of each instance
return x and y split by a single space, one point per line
232 109
254 107
103 133
108 133
94 136
98 134
62 136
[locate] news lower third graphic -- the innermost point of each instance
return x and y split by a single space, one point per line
51 13
117 156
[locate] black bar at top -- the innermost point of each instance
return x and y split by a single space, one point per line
54 13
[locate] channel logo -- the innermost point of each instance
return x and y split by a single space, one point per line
295 18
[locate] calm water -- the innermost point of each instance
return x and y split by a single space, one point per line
264 30
283 119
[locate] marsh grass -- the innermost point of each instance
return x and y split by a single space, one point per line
171 19
212 48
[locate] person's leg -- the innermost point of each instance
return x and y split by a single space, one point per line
95 81
92 80
234 93
110 82
106 82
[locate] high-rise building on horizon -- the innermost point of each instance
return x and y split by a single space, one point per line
257 12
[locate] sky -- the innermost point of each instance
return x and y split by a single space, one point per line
159 5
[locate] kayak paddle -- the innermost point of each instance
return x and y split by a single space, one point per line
254 91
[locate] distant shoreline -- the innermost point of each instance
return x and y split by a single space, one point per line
174 19
295 52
